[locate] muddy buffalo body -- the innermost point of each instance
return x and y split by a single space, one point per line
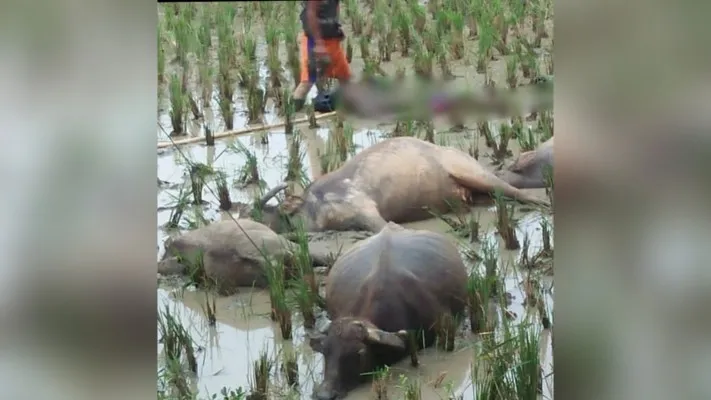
230 254
530 169
401 179
394 282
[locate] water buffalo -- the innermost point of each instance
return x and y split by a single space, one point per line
529 169
402 179
230 259
394 282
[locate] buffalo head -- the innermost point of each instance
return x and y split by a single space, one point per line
276 217
348 348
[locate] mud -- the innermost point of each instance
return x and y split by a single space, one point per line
243 328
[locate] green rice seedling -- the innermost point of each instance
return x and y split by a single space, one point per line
183 39
526 371
485 43
178 105
198 174
490 261
512 65
290 367
225 78
223 191
411 388
182 200
249 173
380 383
357 20
273 61
422 62
176 339
402 21
404 128
256 99
260 377
306 288
447 325
276 274
419 16
527 261
295 161
457 35
224 100
539 18
501 149
479 293
530 60
545 125
173 382
505 224
473 15
433 6
442 61
527 140
292 52
210 308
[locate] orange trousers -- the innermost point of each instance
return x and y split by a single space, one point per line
338 68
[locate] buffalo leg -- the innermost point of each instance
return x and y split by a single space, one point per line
371 220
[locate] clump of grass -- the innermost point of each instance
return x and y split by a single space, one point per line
306 288
501 149
380 383
198 174
547 249
526 139
429 130
505 222
545 125
273 62
404 128
479 292
262 369
422 61
182 200
287 110
447 329
291 34
290 368
343 138
176 340
178 105
276 277
486 41
411 388
249 172
512 71
225 61
223 191
210 308
295 161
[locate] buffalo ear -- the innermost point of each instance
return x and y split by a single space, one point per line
393 339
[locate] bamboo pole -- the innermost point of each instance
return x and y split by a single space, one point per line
244 131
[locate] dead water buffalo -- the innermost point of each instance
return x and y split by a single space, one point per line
396 180
396 281
229 258
529 169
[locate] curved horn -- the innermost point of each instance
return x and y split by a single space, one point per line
394 339
267 196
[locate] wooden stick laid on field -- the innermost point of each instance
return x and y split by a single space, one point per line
244 131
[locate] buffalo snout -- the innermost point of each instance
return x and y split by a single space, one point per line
325 391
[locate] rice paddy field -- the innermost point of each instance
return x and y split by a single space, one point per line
231 67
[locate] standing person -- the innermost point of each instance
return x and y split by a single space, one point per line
320 40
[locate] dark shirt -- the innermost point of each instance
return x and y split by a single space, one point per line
327 19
